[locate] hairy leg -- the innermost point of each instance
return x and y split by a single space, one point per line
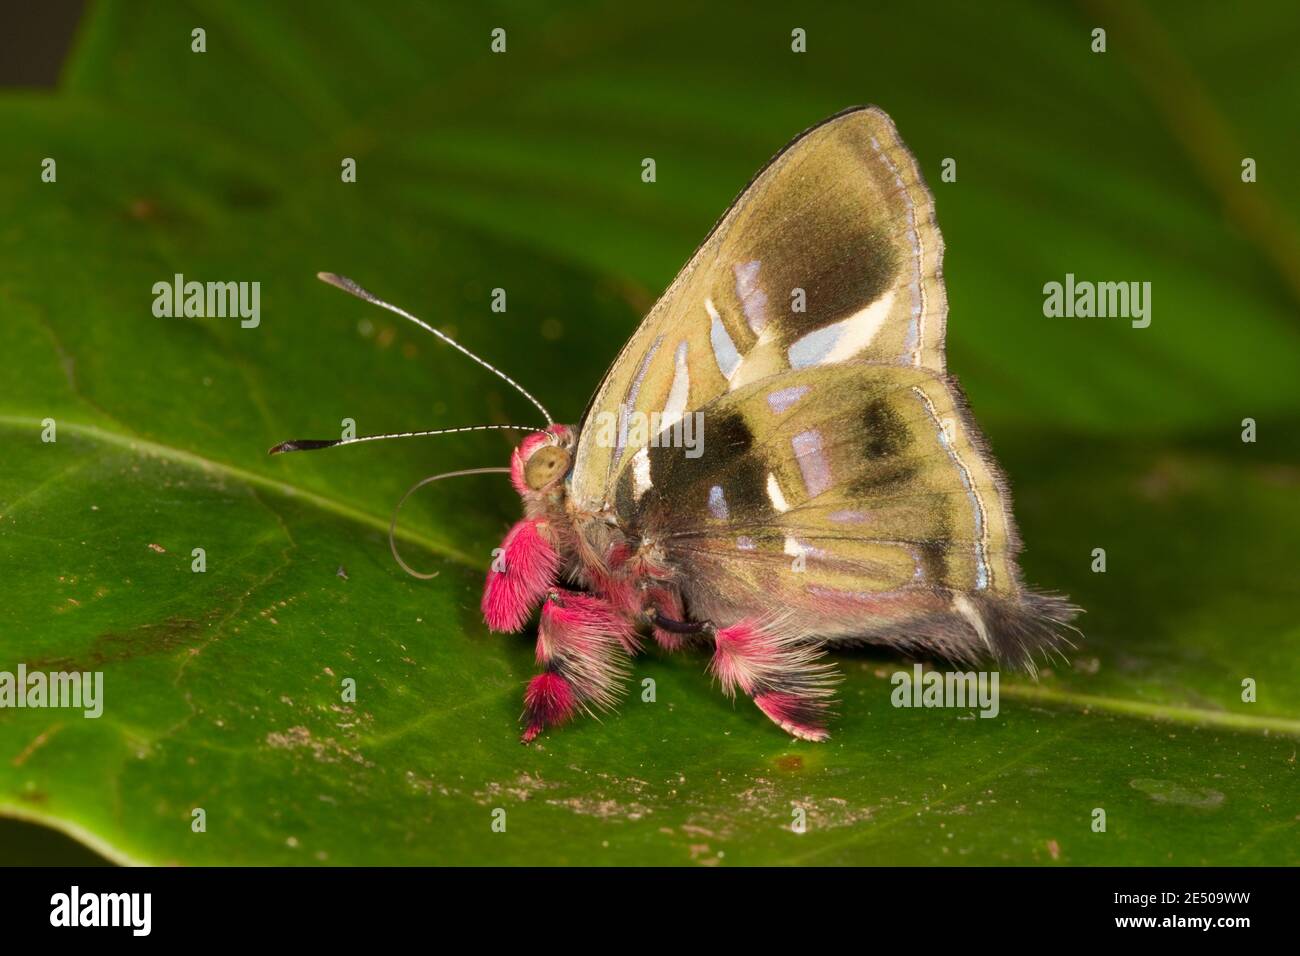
526 567
780 670
583 646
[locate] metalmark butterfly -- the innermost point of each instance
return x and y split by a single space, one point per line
777 462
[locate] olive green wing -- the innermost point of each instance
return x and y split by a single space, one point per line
830 255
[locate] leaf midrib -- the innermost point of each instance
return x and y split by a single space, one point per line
190 459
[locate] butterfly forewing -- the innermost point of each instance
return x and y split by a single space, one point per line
831 254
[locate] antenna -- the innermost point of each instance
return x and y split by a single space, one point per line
392 525
347 285
315 444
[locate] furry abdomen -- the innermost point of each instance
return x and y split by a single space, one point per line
960 626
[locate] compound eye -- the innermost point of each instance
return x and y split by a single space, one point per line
547 463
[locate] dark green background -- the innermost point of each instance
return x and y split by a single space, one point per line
522 171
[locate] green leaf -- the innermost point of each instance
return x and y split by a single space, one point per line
223 689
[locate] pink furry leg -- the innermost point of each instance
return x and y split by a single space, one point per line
519 578
583 645
781 671
548 702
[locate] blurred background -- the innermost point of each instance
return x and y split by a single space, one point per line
521 170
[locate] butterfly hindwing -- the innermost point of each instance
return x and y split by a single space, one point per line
856 501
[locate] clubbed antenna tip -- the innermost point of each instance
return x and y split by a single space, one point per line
303 444
341 282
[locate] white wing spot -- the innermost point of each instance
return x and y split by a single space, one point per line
813 463
781 400
679 392
641 473
840 341
752 298
718 503
775 495
724 349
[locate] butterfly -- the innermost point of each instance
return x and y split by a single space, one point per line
777 463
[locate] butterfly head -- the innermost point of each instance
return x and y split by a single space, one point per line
541 462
